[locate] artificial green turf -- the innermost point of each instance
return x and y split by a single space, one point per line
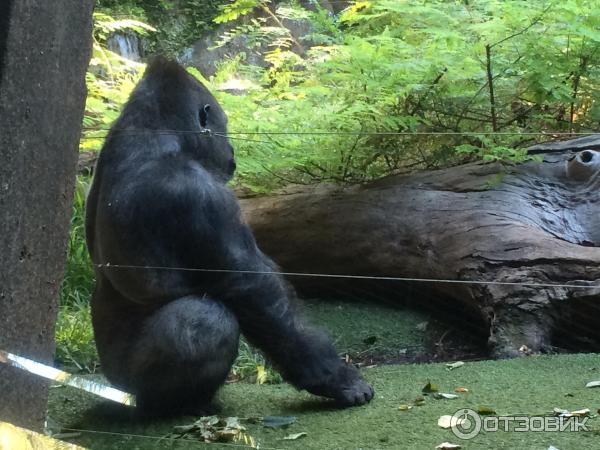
532 385
360 328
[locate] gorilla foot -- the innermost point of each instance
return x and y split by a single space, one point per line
356 394
347 388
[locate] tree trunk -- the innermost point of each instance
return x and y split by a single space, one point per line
533 223
44 52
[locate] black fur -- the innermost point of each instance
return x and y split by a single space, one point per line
160 199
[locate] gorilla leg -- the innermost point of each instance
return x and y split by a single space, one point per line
177 357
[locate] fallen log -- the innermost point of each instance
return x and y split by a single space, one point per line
526 234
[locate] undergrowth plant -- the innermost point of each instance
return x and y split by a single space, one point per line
75 346
491 78
110 78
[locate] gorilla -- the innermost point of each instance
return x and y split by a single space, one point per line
178 273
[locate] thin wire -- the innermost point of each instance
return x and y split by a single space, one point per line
417 133
168 132
353 277
242 139
164 437
351 133
147 131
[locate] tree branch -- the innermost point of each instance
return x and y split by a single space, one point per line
490 77
524 30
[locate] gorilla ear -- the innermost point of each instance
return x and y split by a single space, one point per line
204 115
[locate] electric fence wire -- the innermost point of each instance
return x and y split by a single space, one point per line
580 285
339 133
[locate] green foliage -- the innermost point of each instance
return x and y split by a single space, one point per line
179 22
389 67
238 8
122 8
75 346
265 29
110 79
392 66
252 367
78 282
104 25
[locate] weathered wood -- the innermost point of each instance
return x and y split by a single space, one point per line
537 222
44 52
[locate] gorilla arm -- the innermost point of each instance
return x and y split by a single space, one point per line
305 356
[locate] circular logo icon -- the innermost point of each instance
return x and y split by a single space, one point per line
466 423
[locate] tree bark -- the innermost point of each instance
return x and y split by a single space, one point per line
533 223
44 52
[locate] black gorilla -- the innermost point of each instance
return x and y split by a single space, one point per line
159 199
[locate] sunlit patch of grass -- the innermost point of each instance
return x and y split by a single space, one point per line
252 367
75 346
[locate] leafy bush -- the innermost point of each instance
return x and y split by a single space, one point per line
178 22
78 282
75 345
495 72
511 68
110 79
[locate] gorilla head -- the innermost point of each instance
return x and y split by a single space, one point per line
169 98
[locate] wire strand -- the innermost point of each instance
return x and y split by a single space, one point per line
353 277
235 138
348 133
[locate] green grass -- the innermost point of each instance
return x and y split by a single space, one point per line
78 282
360 328
530 386
75 347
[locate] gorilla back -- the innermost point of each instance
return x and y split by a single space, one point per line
159 206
